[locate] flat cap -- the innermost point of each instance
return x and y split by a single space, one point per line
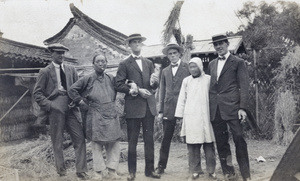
57 47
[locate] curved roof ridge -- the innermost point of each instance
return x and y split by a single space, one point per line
61 33
96 29
79 14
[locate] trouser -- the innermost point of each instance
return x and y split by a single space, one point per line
168 129
223 147
59 117
195 157
112 155
133 130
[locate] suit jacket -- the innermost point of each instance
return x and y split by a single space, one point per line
231 92
170 87
46 89
135 107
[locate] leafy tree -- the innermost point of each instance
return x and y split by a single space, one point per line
272 30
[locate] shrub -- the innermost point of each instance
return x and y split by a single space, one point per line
285 116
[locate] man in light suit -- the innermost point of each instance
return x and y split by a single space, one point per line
228 98
50 92
140 105
170 84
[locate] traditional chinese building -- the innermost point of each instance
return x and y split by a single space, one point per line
202 49
86 37
19 64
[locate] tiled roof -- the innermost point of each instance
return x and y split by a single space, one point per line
15 56
201 47
24 52
104 33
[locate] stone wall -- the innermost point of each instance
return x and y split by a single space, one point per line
84 47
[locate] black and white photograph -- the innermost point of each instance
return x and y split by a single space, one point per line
144 90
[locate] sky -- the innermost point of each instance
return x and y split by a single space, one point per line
33 21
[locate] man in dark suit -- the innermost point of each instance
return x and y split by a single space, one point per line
50 92
228 98
170 84
140 106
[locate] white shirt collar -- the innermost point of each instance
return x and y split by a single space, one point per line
226 55
135 56
57 65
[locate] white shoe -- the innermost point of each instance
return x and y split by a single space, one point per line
212 176
113 175
194 176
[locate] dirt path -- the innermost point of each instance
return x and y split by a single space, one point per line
178 165
17 155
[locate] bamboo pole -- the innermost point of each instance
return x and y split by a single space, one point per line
256 86
78 66
14 69
14 105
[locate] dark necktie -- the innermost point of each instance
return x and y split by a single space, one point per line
174 65
63 78
221 58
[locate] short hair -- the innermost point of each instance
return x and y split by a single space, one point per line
94 58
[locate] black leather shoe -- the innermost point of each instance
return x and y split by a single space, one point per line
82 175
131 177
159 170
153 175
62 174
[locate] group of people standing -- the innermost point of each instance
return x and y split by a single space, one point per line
205 105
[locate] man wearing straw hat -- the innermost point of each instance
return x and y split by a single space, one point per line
140 105
170 84
50 92
228 98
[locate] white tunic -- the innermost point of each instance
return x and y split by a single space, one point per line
193 106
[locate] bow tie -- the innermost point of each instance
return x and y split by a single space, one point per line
137 57
221 58
174 65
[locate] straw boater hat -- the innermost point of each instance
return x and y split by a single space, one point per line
135 36
172 46
57 47
219 37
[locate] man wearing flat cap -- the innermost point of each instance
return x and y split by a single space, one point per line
228 96
50 92
170 84
140 106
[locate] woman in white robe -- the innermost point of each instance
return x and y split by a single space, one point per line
193 108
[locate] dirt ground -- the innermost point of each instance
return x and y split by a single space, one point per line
34 160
